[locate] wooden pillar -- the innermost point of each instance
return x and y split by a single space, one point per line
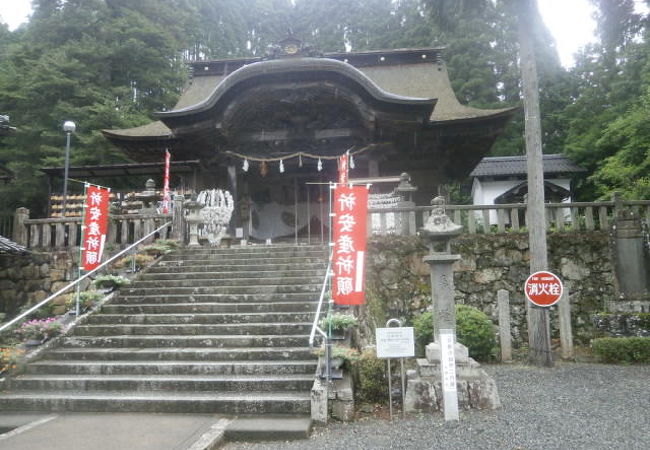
232 187
373 167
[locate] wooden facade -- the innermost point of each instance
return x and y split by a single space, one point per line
266 128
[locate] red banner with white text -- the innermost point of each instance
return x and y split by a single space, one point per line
95 226
166 196
349 234
344 168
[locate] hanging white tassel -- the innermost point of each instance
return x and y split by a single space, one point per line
351 162
245 165
281 167
299 160
320 165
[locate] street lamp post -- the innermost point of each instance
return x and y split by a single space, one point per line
69 128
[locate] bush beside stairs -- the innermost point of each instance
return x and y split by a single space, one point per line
220 331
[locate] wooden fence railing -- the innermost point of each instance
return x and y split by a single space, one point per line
64 233
475 219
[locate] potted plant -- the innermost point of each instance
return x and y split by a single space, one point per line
141 260
340 324
342 357
37 331
111 282
86 300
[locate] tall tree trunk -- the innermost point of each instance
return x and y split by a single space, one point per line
539 336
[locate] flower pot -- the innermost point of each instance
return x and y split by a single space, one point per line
336 363
33 342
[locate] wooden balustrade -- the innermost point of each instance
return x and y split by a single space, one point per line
62 233
561 217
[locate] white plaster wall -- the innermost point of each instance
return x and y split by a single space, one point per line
484 193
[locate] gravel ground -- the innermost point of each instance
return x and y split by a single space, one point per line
572 406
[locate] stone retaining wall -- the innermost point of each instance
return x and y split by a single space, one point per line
26 280
398 280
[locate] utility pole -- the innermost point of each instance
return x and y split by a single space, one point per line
539 333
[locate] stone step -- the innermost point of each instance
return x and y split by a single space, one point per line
234 275
214 383
218 330
171 260
250 402
207 282
188 308
254 248
268 428
232 268
268 298
252 252
196 319
177 341
118 367
263 289
182 354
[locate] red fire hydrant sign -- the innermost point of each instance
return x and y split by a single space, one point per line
543 288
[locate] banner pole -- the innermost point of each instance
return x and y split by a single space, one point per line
81 247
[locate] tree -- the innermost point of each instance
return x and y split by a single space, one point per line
102 64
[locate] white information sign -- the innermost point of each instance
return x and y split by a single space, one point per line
448 373
395 342
448 360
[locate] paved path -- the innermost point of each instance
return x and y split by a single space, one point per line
573 406
106 431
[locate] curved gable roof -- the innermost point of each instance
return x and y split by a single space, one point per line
307 69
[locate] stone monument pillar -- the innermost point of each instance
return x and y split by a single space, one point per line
426 385
632 263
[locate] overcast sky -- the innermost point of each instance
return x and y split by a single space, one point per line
570 22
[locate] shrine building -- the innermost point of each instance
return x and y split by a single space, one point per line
270 129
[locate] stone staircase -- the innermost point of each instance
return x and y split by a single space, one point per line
205 331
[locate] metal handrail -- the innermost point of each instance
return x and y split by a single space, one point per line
78 280
315 326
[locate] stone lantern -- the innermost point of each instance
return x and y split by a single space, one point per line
193 218
404 191
148 197
435 383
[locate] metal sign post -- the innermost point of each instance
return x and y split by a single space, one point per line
395 343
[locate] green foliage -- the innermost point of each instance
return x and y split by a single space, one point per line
339 322
370 380
140 261
111 281
423 329
160 247
474 329
86 299
622 350
43 312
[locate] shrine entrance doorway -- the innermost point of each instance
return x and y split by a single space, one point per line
286 208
